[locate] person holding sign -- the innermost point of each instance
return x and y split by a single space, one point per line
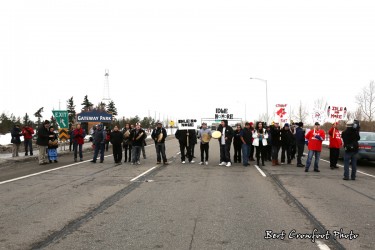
186 138
205 135
315 139
158 135
225 141
335 144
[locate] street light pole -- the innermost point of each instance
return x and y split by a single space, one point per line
253 78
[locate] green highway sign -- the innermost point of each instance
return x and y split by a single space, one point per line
61 118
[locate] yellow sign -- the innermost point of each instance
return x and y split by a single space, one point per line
171 123
63 134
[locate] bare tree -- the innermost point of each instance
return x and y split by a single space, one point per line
366 102
320 104
302 113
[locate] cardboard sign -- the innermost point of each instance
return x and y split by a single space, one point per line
336 113
281 113
222 114
187 124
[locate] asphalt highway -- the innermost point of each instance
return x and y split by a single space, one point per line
68 205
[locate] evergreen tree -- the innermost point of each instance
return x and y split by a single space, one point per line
5 124
71 110
111 108
101 106
87 105
38 114
54 123
134 120
26 120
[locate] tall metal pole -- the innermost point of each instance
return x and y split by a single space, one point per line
260 79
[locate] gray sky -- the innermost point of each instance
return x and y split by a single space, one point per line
184 59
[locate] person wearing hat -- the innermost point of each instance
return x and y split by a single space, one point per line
350 136
276 142
205 135
315 139
42 142
287 141
52 145
300 143
137 136
16 133
335 144
158 135
27 133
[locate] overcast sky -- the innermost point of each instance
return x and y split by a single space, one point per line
183 59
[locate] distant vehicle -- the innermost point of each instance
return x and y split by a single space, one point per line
366 147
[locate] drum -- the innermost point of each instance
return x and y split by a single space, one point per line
160 137
206 138
216 134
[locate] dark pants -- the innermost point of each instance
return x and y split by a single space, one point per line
192 150
245 154
106 145
260 152
143 152
275 152
237 152
350 158
286 149
117 152
225 153
251 155
136 152
71 144
204 149
77 147
128 148
160 152
28 146
184 147
268 152
300 149
333 156
98 147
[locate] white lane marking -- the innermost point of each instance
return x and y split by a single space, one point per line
260 171
351 169
135 178
322 246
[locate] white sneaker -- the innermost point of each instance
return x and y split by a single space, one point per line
200 163
228 164
183 162
222 163
192 162
138 163
206 162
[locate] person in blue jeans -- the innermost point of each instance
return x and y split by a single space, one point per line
246 138
99 142
350 136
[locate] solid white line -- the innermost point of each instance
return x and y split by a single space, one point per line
260 171
135 178
322 246
351 168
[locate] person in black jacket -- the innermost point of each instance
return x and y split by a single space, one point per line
246 137
237 144
276 143
42 142
287 141
350 136
158 135
137 136
300 143
16 133
186 138
52 145
225 142
99 143
116 139
127 144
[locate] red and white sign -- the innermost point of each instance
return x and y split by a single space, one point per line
336 113
281 113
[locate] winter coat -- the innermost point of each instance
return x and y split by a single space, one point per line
315 138
156 132
116 137
78 136
256 138
350 137
16 134
247 136
334 138
127 140
228 134
276 136
300 136
183 135
237 137
99 136
27 132
287 138
43 136
54 139
202 131
137 137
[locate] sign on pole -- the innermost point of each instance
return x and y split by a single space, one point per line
94 116
336 113
61 118
63 134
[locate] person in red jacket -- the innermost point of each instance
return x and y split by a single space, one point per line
315 139
27 133
78 140
335 144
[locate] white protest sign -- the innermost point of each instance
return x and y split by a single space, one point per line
336 113
281 114
187 124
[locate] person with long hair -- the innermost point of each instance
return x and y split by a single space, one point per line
260 136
